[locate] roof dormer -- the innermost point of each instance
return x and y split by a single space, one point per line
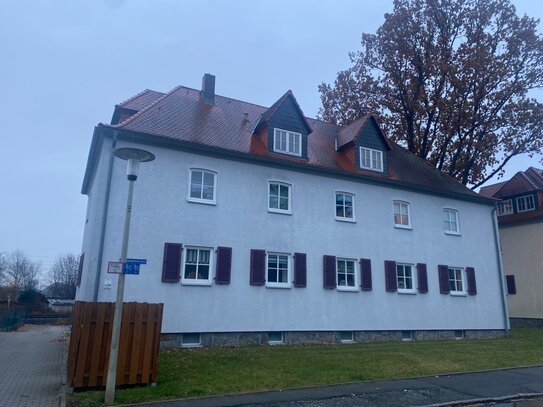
287 127
371 145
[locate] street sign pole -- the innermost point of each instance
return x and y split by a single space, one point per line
117 318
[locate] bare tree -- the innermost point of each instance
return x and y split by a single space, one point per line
20 272
449 80
3 265
63 276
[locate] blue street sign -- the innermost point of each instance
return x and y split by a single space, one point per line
131 268
138 261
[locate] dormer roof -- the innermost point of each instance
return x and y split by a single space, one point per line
273 109
351 133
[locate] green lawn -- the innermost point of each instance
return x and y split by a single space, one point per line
203 372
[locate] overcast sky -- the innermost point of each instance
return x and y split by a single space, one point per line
64 64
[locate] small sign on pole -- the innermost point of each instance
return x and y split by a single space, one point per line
115 267
131 268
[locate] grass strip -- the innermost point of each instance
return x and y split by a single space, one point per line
215 371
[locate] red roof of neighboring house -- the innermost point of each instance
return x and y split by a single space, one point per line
522 182
182 115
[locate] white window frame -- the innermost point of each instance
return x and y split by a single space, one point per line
212 201
196 281
291 137
505 207
408 206
281 184
412 277
525 199
355 271
286 284
462 272
344 218
375 159
447 222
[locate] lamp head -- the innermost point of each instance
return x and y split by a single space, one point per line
134 156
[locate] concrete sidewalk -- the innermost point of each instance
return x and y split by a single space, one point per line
31 361
464 388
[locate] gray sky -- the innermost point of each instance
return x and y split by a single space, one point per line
66 63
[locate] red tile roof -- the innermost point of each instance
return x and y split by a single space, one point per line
522 182
141 100
181 115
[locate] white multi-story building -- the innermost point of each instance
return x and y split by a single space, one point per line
261 225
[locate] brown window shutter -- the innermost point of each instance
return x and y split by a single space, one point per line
472 286
422 278
171 266
329 271
258 267
300 270
80 269
365 274
391 284
443 272
224 265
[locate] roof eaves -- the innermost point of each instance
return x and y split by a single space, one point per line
527 178
136 96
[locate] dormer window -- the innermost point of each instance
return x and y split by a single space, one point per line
371 159
525 203
287 142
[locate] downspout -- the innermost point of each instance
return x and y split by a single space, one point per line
104 220
500 269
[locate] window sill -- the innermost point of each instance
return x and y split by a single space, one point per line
203 283
407 292
202 201
279 211
348 220
278 285
406 227
287 153
347 288
458 294
452 233
371 169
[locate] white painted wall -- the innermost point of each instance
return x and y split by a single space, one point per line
161 213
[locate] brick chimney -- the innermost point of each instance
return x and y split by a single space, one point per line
208 88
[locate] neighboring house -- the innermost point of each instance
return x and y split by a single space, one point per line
262 225
520 217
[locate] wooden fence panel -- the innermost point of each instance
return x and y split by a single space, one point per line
88 353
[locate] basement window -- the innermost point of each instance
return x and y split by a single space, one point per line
275 338
191 340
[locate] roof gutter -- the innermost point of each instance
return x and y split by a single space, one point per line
104 218
500 269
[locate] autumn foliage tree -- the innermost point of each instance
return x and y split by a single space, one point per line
449 80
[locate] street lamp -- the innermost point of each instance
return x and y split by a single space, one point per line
134 156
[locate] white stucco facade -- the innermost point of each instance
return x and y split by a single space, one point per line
240 220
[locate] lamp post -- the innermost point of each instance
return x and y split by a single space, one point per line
134 156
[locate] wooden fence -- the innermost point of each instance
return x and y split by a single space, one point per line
90 339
